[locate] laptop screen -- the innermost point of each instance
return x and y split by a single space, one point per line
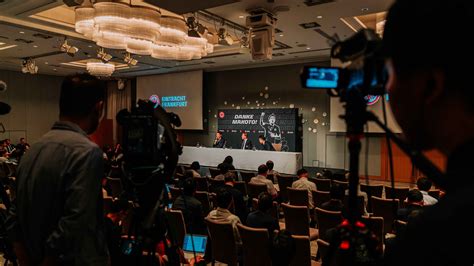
200 242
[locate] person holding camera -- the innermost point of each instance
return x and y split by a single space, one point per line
57 216
432 99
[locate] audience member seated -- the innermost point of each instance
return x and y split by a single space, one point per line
228 161
3 156
337 196
264 144
195 168
424 185
261 178
223 169
414 205
304 183
191 207
222 213
239 203
261 218
270 166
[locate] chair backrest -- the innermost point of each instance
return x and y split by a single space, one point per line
323 184
387 209
224 248
284 182
343 184
247 175
255 246
327 220
175 193
255 189
323 248
296 219
303 251
320 197
298 197
375 224
371 190
241 186
360 204
434 193
215 184
399 227
396 193
203 197
214 171
201 184
115 186
176 226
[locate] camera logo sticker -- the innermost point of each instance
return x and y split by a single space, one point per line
372 99
155 99
221 115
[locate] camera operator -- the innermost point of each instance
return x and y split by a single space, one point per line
58 214
432 98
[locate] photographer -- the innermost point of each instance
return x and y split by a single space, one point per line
432 99
57 217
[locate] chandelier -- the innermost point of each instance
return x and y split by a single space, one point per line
139 30
100 69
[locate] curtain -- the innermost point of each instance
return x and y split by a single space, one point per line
116 101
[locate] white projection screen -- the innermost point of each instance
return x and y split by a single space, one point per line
180 93
338 125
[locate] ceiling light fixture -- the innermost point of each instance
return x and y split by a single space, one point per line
29 66
69 49
141 30
320 17
100 69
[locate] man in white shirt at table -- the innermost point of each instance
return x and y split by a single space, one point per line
261 178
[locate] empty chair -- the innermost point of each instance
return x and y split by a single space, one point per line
302 255
322 184
298 197
327 220
434 193
241 186
214 171
343 184
215 184
201 184
360 204
396 193
115 186
284 182
203 197
255 189
375 224
371 190
320 197
386 208
224 248
246 176
297 221
176 226
255 251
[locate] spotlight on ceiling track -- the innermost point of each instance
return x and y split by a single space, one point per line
69 49
195 29
224 37
29 66
102 55
130 60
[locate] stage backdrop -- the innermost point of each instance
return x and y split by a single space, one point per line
279 126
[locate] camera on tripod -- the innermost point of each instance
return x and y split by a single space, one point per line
365 72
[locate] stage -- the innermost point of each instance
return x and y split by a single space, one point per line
285 162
